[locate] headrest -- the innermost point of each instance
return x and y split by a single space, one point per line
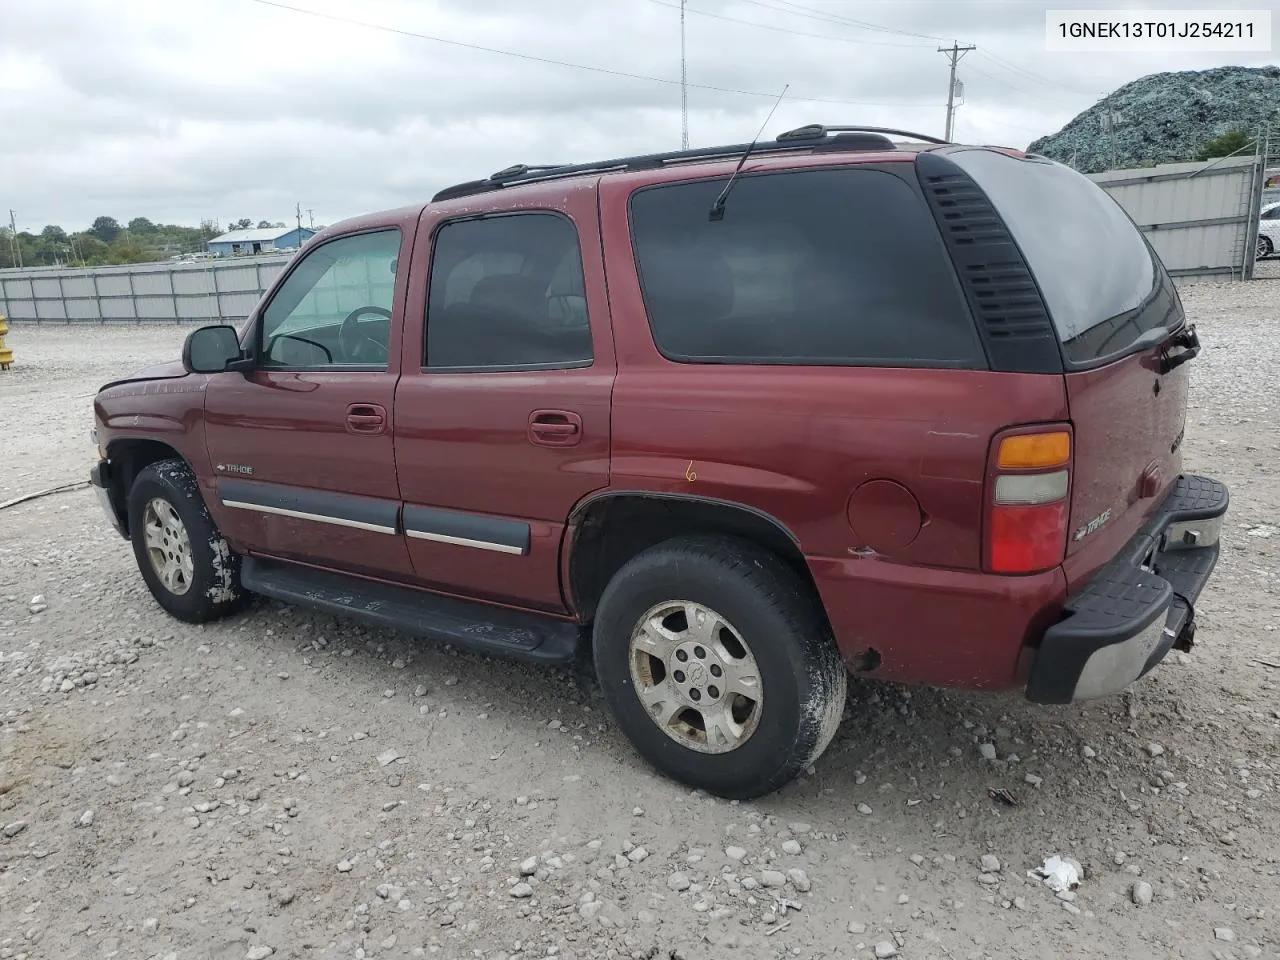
512 291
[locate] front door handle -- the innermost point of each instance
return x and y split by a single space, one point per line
367 418
555 428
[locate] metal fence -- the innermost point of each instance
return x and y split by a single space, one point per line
208 291
1201 218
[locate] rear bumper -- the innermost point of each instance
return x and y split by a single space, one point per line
100 480
1137 607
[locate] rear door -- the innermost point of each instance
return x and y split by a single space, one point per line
502 410
1113 306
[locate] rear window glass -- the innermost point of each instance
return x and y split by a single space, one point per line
1102 283
823 267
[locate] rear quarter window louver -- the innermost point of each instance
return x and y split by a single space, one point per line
1015 324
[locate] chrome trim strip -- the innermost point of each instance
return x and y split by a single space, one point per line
465 542
318 518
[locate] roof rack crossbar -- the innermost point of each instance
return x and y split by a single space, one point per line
817 131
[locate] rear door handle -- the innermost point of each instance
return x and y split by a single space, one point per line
555 428
367 418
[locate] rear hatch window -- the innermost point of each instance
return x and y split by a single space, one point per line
1105 289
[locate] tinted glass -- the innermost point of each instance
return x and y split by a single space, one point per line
815 267
507 292
334 309
1102 283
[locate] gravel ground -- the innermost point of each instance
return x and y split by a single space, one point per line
286 784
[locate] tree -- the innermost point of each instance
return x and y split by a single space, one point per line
105 229
53 234
1233 141
141 225
126 250
243 224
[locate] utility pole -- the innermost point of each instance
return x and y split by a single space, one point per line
954 53
311 214
13 240
298 211
684 86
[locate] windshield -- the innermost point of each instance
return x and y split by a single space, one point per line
1104 286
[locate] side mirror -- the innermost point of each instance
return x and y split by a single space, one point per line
213 349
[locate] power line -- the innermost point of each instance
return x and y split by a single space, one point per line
825 17
797 33
561 63
1030 75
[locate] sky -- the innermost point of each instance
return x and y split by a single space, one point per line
186 110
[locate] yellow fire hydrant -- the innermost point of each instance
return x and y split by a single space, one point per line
6 354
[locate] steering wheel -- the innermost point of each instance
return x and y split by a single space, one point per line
357 345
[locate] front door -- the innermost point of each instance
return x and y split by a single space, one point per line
302 445
502 411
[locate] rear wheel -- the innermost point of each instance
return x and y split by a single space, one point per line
185 562
717 663
1265 247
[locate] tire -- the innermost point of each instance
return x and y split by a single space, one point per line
769 615
191 572
1265 247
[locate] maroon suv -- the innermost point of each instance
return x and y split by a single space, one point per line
740 418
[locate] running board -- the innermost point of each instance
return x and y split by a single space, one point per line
478 627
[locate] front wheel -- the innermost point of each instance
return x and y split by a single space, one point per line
717 663
187 565
1265 247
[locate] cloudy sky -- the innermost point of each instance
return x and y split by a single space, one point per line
180 110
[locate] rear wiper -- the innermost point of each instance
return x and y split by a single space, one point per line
717 208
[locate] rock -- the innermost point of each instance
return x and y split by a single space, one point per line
917 859
15 828
799 879
284 896
86 819
857 928
387 757
259 953
638 854
773 878
864 810
903 899
1032 779
988 879
987 751
791 847
521 891
735 853
990 863
1088 752
886 949
1141 893
345 866
37 604
529 867
1224 933
1155 749
186 778
1071 908
589 910
678 882
637 811
799 828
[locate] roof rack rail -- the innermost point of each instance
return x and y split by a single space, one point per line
802 138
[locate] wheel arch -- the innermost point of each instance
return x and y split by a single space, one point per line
128 457
609 528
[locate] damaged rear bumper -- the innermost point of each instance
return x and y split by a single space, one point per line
1138 607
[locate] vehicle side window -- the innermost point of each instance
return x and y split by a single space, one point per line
507 292
335 308
1272 214
823 267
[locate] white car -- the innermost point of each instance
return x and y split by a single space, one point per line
1269 230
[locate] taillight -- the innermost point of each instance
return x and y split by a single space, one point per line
1029 485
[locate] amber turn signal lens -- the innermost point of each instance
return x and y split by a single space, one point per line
1032 451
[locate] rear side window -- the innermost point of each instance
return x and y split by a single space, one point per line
1101 281
822 267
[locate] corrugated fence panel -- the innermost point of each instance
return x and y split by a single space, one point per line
1201 218
212 290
